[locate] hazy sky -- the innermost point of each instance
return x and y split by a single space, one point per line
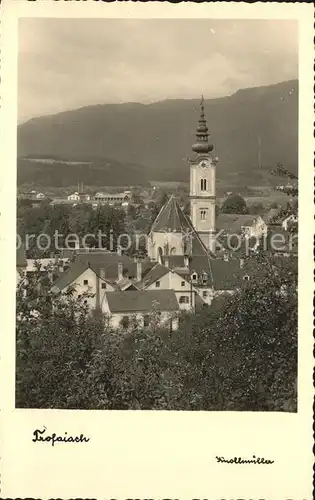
68 63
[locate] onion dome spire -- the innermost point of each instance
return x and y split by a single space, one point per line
202 145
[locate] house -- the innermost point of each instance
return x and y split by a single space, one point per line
247 225
74 197
84 196
161 277
95 273
289 221
112 198
282 243
228 275
54 265
142 307
208 278
271 218
279 217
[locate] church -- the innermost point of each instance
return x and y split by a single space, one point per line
182 270
172 233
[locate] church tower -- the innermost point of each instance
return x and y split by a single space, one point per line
202 184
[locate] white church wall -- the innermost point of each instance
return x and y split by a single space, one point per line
158 241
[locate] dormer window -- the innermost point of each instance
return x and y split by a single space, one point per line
194 277
203 184
204 277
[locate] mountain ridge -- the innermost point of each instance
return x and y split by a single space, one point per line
158 136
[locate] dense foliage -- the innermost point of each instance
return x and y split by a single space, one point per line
238 354
79 220
234 204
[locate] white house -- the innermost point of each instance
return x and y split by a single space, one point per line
146 308
74 197
290 219
162 278
40 196
252 226
86 282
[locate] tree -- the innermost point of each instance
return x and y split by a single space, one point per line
243 356
55 339
256 209
238 354
234 204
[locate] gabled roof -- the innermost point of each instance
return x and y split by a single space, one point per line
109 263
272 216
200 264
234 222
153 275
142 301
227 275
171 218
65 279
103 262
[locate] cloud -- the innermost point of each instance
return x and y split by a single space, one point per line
68 63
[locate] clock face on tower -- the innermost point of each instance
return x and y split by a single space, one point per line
205 164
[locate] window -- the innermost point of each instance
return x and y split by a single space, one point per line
183 299
205 294
246 277
203 214
146 320
203 184
79 296
194 277
183 283
85 302
103 286
157 284
85 282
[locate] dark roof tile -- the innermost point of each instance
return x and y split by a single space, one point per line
153 275
142 301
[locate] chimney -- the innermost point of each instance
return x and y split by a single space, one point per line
119 250
120 271
226 257
166 261
102 273
241 263
139 271
186 261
